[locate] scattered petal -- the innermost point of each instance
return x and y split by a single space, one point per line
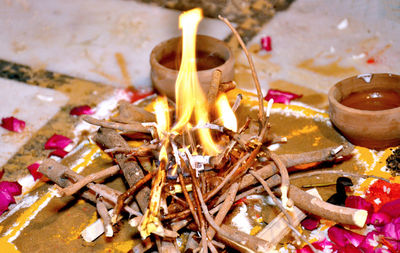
33 169
13 124
266 43
59 152
57 142
7 192
380 219
282 97
370 242
391 208
342 237
310 223
134 95
81 110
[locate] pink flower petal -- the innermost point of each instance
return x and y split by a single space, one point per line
391 208
342 237
360 203
33 169
282 97
7 192
59 152
81 110
380 219
57 142
266 43
370 242
310 223
392 229
13 124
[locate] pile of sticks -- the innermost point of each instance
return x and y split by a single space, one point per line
194 193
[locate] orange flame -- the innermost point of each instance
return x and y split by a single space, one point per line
163 122
225 113
188 94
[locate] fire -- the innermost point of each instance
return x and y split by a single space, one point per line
188 93
225 113
162 116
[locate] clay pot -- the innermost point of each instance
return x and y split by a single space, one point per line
371 129
164 78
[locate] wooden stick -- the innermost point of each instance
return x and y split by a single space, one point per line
227 86
189 201
285 179
129 113
102 210
214 87
57 173
109 138
290 160
324 171
73 188
132 127
132 190
226 206
261 113
144 150
316 206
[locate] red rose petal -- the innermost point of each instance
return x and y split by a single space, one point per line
310 223
57 142
7 192
81 110
33 169
1 173
135 95
266 43
282 97
13 124
342 237
391 208
59 152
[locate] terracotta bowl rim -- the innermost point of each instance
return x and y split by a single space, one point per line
154 62
335 103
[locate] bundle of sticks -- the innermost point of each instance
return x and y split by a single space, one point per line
194 193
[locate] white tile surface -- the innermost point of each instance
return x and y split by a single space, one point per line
80 38
34 105
309 29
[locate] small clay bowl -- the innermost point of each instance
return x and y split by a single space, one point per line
371 129
164 78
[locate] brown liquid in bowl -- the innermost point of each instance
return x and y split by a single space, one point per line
373 100
204 60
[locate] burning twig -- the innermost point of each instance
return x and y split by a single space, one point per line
131 127
261 113
150 222
73 188
144 150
